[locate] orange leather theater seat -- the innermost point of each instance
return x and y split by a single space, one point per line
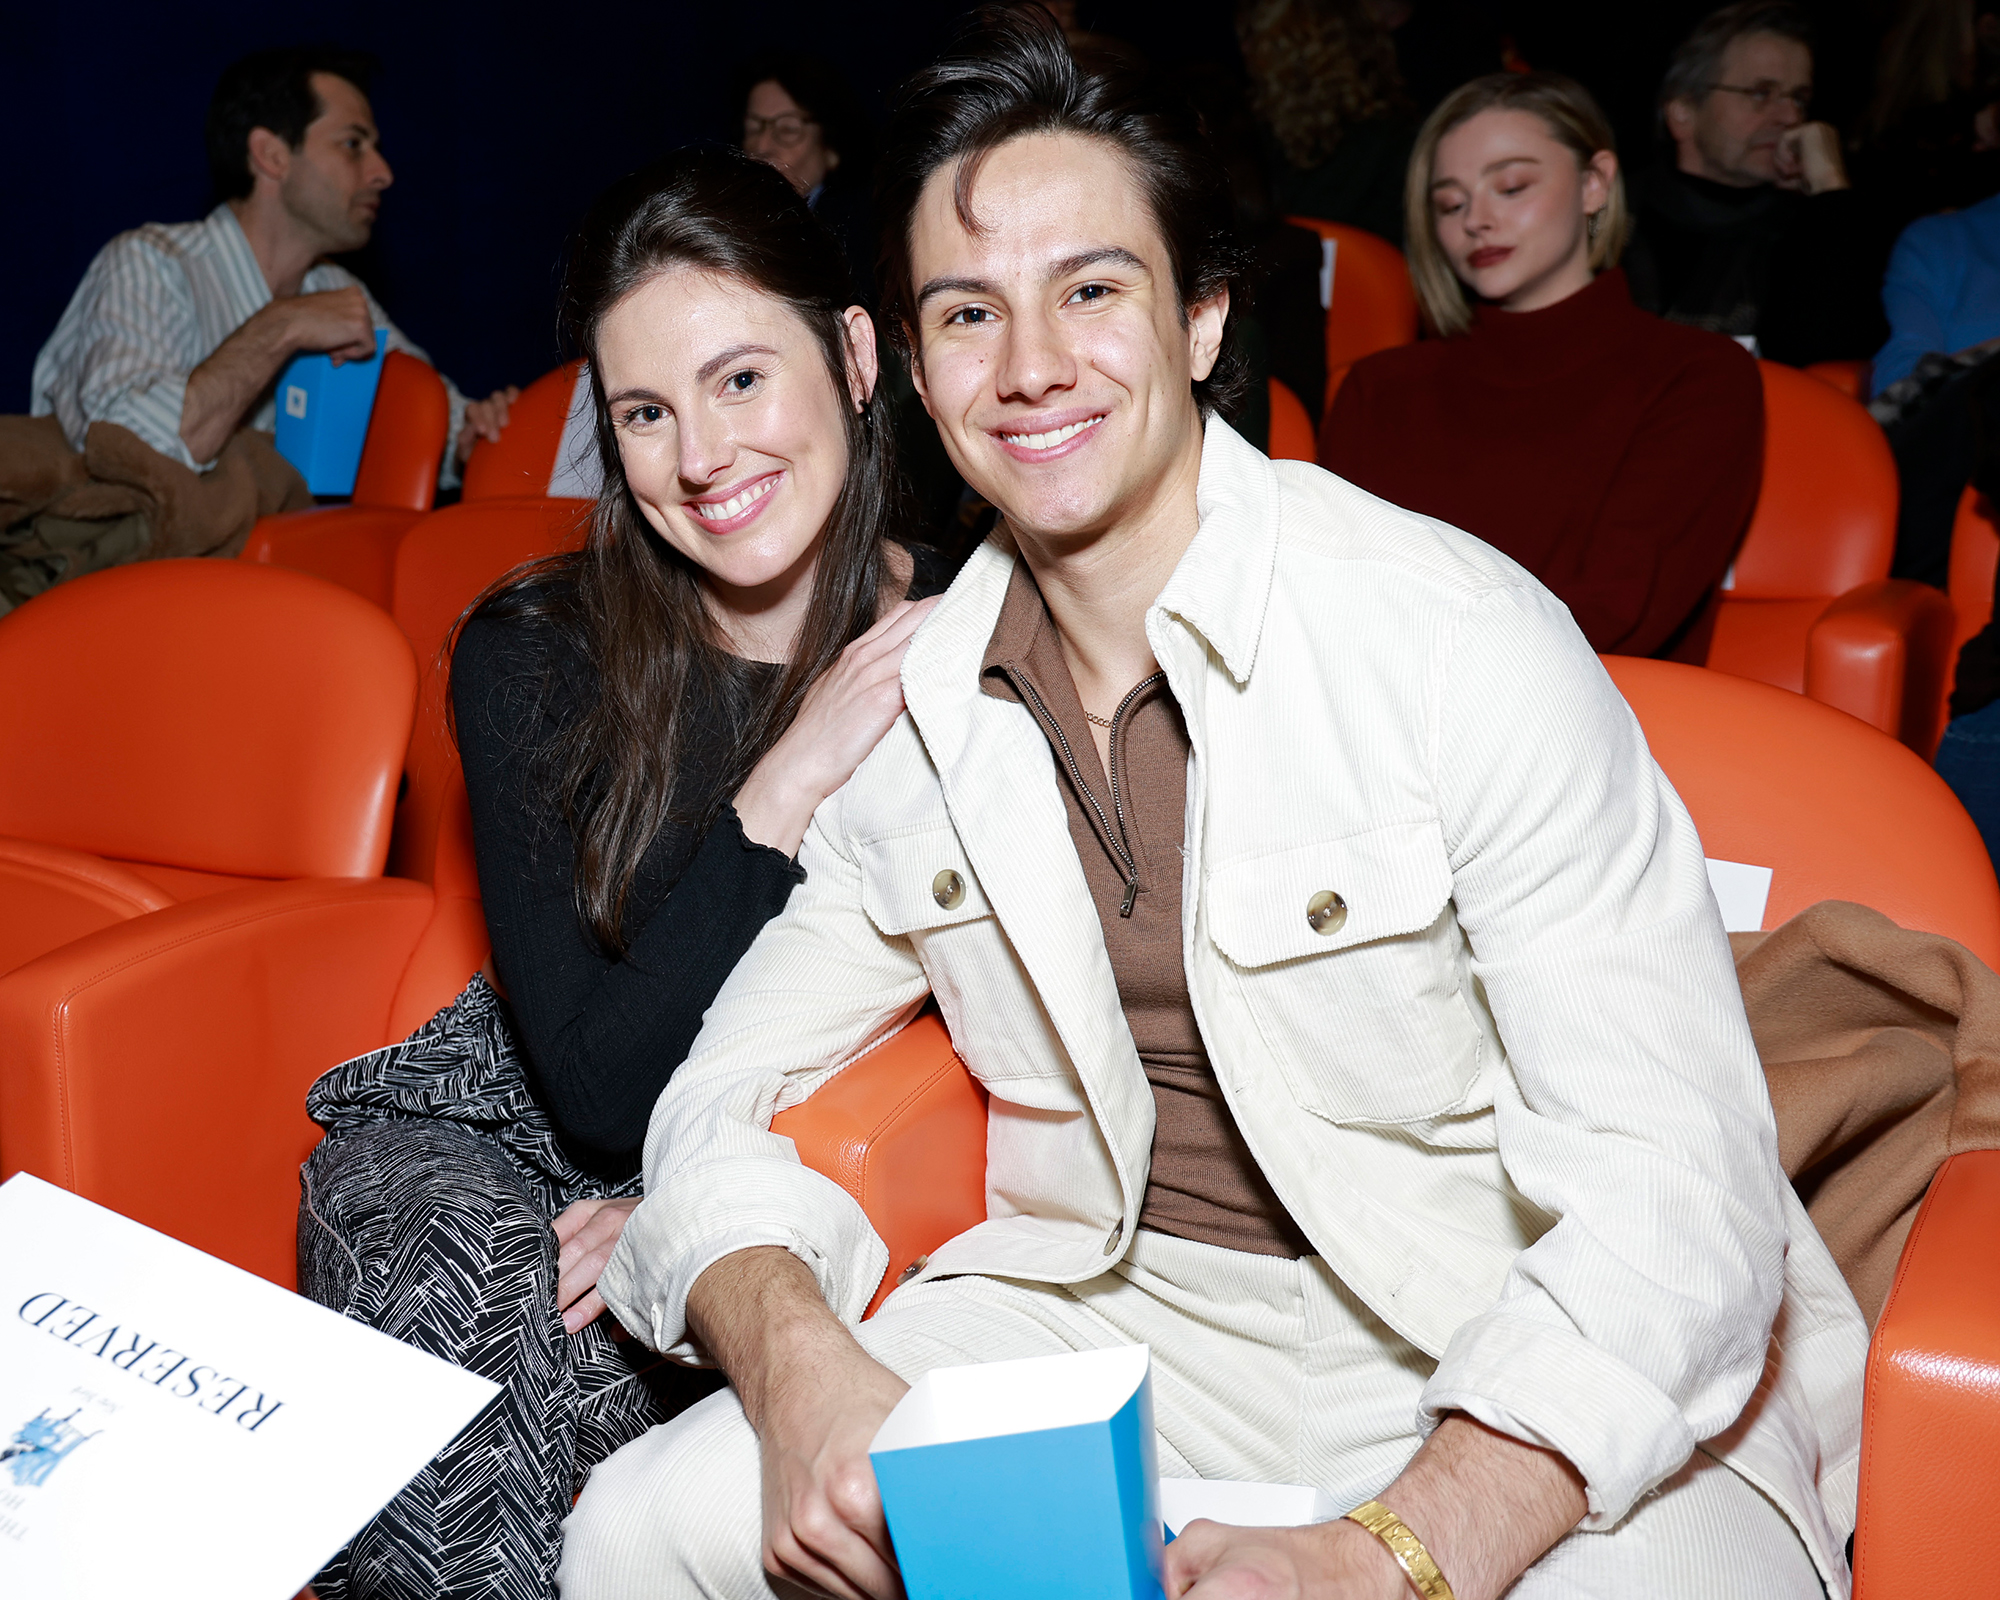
521 463
1808 604
1370 304
354 545
444 564
176 728
203 756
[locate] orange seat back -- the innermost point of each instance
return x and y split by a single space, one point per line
406 437
520 463
1291 426
902 1130
1837 809
1371 305
1826 513
213 716
1825 523
444 564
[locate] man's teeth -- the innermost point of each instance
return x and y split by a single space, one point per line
737 504
1048 441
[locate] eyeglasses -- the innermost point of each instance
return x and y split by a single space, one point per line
787 128
1761 94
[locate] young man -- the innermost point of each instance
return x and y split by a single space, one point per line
1360 1031
1749 228
179 331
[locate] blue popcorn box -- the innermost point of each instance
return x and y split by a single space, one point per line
323 413
1026 1480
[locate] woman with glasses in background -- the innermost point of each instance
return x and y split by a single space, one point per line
799 115
1614 455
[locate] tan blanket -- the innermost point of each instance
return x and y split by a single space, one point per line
1882 1051
64 513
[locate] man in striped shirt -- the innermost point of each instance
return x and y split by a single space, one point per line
179 330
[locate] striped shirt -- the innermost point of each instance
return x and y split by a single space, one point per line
153 306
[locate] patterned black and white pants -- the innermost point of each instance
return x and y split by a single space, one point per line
426 1213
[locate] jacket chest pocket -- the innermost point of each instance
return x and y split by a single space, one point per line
917 884
1349 958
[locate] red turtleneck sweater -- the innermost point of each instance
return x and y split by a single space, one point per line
1614 455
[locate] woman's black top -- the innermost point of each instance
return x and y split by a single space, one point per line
603 1035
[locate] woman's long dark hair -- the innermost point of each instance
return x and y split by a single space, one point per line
628 601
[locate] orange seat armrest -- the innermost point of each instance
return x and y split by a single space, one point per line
1881 652
159 1066
1930 1433
902 1130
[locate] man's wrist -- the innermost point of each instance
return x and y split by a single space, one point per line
1353 1551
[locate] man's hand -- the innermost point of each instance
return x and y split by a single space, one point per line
815 1398
1334 1561
1809 159
219 391
335 322
484 419
585 1235
823 1523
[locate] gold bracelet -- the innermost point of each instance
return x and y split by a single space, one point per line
1406 1547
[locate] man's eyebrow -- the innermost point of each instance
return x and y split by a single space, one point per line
1104 255
735 352
938 286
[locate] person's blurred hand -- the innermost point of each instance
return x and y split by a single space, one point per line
1809 159
484 419
585 1235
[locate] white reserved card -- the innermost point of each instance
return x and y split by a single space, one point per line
172 1426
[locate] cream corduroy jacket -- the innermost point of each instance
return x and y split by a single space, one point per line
1512 1100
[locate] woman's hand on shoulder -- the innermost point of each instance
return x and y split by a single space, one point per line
844 716
585 1235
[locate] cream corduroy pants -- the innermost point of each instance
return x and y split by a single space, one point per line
1263 1369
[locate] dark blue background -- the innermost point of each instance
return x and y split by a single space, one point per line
503 121
501 124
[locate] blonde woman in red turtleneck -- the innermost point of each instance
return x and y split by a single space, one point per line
1614 455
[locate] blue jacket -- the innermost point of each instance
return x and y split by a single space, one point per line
1943 289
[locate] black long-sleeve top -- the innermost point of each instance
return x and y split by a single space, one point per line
602 1036
1802 273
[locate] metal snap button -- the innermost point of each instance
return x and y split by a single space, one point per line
1111 1244
948 889
913 1269
1326 912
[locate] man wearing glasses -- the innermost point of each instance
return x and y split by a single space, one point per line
1751 229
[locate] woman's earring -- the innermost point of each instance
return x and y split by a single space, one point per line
1590 224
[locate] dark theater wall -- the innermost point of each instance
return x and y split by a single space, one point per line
501 122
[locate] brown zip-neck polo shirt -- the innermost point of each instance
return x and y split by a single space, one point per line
1127 826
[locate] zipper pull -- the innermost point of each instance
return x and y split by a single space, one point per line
1131 894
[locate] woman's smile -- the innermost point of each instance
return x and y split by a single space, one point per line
727 510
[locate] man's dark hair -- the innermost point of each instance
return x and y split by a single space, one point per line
1696 66
271 89
1010 72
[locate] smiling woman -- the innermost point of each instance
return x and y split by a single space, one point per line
1614 455
646 727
